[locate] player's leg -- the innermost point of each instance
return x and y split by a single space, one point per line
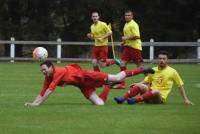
104 94
104 61
90 94
122 84
95 65
103 54
137 57
128 73
123 65
95 54
124 60
157 99
95 99
133 91
148 96
94 80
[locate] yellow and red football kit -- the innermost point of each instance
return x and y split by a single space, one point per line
98 30
131 28
132 47
163 80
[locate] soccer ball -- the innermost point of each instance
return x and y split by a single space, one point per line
40 53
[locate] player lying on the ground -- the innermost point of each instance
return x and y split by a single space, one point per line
84 79
155 87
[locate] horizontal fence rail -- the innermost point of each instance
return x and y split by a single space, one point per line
59 43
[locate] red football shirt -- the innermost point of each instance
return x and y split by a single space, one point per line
73 75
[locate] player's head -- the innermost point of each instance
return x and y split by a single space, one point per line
47 68
162 58
128 15
95 16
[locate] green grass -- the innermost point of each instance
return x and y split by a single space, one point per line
67 111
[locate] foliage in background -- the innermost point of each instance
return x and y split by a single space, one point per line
171 20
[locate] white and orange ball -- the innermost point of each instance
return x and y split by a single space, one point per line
40 53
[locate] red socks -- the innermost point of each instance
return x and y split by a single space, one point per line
96 68
132 92
105 92
146 96
122 68
110 62
133 72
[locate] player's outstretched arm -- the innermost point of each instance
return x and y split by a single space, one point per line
39 99
184 95
35 102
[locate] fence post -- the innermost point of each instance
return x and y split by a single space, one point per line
198 49
12 50
151 50
59 50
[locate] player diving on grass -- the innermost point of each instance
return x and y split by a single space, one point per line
87 81
155 87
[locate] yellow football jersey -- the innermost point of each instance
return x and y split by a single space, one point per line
132 29
162 80
98 30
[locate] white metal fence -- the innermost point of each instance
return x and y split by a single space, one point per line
59 43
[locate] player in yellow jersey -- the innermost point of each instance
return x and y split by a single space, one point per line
131 44
100 32
156 87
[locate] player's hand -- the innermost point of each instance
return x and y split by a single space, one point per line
31 104
188 102
89 35
124 38
99 39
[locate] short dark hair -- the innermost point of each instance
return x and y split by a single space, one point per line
163 53
129 11
47 63
95 11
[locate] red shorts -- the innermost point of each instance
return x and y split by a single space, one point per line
131 54
92 80
100 52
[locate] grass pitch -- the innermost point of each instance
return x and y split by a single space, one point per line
67 111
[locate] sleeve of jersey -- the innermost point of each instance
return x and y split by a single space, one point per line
177 79
45 87
134 30
108 29
91 30
56 80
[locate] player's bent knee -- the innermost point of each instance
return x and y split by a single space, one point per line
99 103
95 99
142 87
156 92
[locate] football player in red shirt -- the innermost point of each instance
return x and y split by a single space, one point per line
87 81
